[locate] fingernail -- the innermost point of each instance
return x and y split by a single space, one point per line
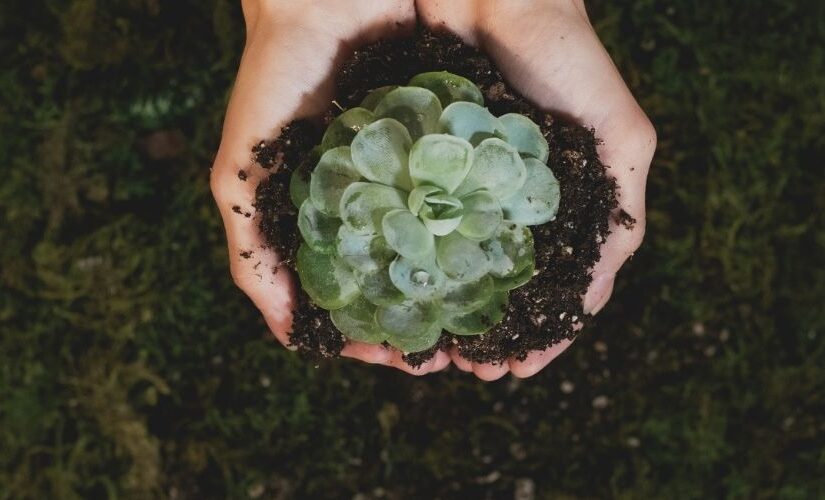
598 293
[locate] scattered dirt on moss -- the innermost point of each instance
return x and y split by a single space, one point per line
541 313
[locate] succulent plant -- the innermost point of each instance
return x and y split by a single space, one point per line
415 216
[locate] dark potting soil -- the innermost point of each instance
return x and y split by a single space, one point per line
542 312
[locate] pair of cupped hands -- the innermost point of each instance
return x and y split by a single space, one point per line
546 49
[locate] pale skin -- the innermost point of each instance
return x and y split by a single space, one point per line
546 49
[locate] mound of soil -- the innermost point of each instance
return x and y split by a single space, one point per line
542 312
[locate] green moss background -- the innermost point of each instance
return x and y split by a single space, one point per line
131 367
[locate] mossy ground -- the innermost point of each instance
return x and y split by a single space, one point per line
132 367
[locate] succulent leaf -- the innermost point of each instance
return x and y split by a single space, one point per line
375 96
482 216
407 235
466 296
410 326
497 167
479 320
538 199
441 222
344 127
326 279
380 153
460 258
356 320
418 280
378 288
333 174
440 160
416 108
299 185
525 135
363 252
318 230
509 251
470 122
448 87
418 196
364 204
512 282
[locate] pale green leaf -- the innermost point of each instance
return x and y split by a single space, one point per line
422 281
416 108
470 122
441 222
417 197
466 296
482 216
364 204
538 199
381 151
410 326
375 96
299 184
325 278
510 250
497 167
343 128
363 252
356 321
333 174
479 321
378 288
460 258
448 87
440 160
525 135
517 280
407 235
318 230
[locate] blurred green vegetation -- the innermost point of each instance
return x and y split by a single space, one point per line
130 366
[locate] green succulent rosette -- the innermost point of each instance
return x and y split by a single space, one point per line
415 218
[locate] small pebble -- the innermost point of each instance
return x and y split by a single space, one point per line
600 402
256 490
525 489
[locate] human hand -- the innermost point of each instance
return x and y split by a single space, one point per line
292 50
548 51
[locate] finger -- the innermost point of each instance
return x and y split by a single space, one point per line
396 361
458 16
490 371
537 360
368 353
460 362
441 361
599 292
